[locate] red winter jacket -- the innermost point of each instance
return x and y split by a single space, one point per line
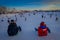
42 32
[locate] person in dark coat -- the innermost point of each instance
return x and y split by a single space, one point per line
42 16
12 28
56 19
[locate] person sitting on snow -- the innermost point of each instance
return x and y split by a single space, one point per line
12 28
43 29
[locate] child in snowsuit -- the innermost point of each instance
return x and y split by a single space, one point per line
12 28
43 29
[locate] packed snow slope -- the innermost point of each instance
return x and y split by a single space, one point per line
28 21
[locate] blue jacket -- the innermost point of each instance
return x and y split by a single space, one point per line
43 27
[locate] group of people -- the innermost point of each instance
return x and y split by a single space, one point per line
13 29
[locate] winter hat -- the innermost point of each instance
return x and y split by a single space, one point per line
42 24
12 20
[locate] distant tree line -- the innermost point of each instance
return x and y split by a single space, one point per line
49 11
3 10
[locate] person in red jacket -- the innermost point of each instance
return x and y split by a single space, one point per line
43 29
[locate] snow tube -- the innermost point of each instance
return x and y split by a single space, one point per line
42 32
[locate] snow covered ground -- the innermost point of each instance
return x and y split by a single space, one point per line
28 22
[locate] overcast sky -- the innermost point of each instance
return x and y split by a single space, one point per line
31 4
